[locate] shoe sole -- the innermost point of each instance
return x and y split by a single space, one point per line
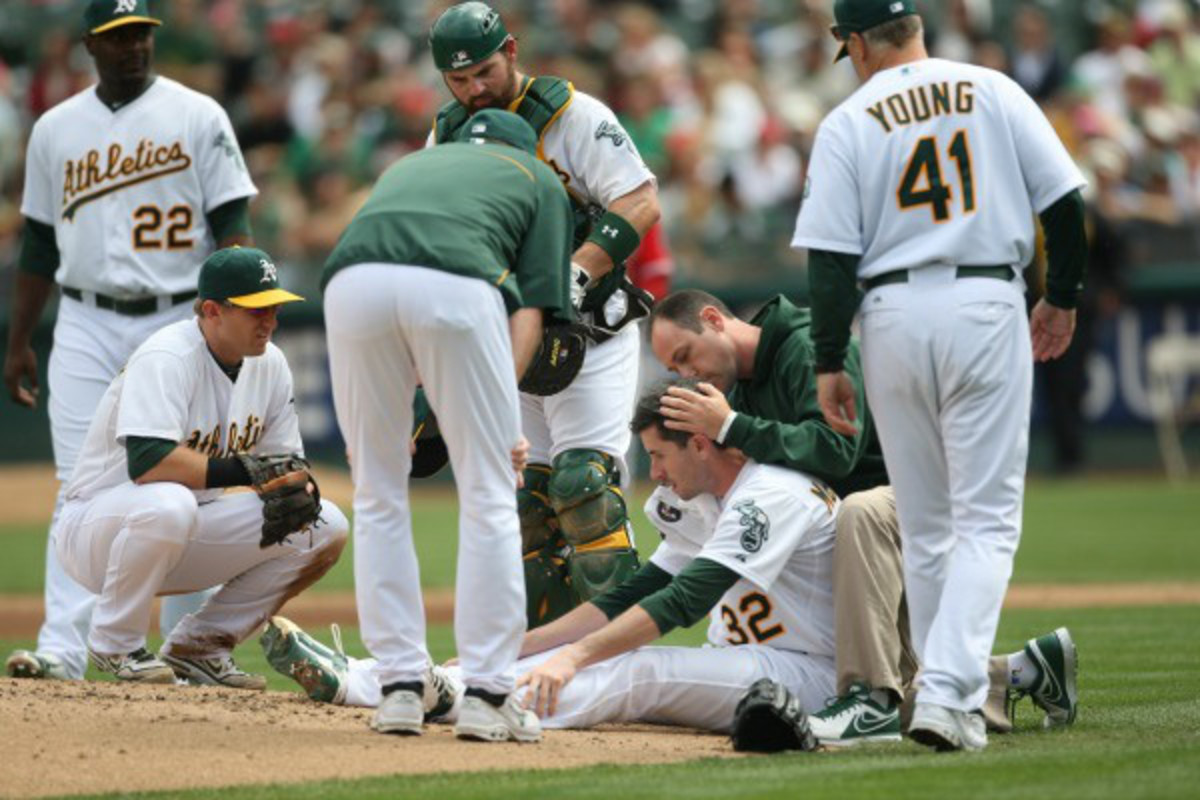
934 738
494 733
196 675
21 666
1070 672
397 728
857 740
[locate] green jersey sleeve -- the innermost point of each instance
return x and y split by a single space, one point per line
543 263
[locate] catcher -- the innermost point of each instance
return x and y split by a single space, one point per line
204 405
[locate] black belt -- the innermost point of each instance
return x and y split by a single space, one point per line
135 307
1001 272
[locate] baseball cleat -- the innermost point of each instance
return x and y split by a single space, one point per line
321 671
1054 691
947 729
140 666
442 693
855 718
31 664
480 720
401 712
220 671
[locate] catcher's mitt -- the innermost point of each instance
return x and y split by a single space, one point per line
291 500
768 719
558 360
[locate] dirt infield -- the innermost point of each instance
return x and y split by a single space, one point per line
134 738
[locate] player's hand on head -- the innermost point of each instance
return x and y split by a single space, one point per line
835 395
702 411
1050 330
19 366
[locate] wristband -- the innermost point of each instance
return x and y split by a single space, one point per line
613 234
224 472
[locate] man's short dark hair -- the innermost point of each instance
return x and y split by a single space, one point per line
896 33
683 309
648 414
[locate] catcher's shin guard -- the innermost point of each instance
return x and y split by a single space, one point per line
587 499
548 593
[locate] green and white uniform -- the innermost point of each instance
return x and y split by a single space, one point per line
573 504
127 542
418 291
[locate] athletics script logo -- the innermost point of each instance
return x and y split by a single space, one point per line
92 177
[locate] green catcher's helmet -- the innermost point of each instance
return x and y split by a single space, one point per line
466 34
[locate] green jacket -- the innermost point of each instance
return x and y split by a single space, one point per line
778 419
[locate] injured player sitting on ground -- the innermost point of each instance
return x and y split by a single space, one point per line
750 543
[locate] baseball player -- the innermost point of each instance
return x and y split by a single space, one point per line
923 186
198 404
766 368
443 278
572 505
751 543
128 186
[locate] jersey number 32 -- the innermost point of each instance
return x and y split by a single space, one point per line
922 183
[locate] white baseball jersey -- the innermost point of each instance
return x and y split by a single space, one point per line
933 163
775 528
127 191
174 389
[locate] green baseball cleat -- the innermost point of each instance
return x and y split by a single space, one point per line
854 718
321 671
1055 690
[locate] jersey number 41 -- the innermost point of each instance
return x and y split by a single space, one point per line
922 183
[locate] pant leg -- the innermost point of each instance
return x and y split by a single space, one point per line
695 687
121 545
374 382
362 687
253 582
873 645
464 356
985 397
901 384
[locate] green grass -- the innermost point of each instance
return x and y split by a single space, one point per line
1137 736
1086 531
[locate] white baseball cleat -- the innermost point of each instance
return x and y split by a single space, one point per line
140 666
401 712
220 671
31 664
480 720
947 729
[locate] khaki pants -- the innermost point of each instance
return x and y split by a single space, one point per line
870 614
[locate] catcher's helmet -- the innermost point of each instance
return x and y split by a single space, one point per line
466 34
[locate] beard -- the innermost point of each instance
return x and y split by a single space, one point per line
500 100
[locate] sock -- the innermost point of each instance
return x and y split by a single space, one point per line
884 698
416 687
1022 672
496 700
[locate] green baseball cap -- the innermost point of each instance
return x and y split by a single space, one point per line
494 124
244 277
466 34
104 15
856 16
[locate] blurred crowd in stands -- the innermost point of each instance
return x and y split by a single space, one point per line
721 96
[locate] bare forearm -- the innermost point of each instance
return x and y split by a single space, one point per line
629 631
571 627
29 300
182 465
640 208
525 329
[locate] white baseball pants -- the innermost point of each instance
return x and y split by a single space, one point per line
692 687
91 345
131 543
389 328
948 371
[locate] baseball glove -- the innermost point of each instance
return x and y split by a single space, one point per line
558 360
768 719
291 500
431 453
